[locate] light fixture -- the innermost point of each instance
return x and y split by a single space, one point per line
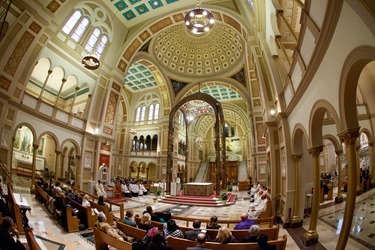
91 62
96 131
199 20
133 131
272 112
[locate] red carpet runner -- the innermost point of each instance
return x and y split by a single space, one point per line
206 201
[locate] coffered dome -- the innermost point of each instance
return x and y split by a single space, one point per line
181 52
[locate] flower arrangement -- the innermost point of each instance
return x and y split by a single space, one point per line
224 196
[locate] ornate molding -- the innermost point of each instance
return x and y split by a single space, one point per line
316 150
297 157
349 136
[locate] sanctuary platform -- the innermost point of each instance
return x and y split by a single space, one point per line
199 200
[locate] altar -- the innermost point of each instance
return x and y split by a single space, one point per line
198 188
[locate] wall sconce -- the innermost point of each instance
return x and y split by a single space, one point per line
96 131
272 112
133 131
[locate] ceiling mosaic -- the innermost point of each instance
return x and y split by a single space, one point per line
133 9
139 77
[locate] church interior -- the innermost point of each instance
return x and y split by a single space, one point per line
192 97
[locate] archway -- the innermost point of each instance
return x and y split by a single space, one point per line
221 178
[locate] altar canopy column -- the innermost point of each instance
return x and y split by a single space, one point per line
349 136
339 197
311 236
296 219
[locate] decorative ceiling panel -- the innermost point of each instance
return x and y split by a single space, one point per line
139 77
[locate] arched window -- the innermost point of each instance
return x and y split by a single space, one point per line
138 114
156 111
143 113
96 42
151 112
78 32
73 20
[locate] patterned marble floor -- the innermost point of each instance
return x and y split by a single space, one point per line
46 227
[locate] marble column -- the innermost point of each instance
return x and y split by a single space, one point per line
349 136
32 188
62 159
311 236
296 219
57 161
78 177
339 197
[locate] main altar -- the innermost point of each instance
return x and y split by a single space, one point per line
198 188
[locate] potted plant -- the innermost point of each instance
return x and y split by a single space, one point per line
224 197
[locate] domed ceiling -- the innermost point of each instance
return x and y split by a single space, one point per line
213 53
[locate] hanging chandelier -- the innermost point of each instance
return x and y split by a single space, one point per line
199 20
91 62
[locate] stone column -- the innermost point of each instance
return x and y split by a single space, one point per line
32 188
349 136
57 161
44 86
296 220
339 197
311 236
62 159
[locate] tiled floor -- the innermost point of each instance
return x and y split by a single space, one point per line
363 234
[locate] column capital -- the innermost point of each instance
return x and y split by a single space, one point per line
49 72
63 80
35 146
349 136
297 157
338 152
57 152
316 150
279 12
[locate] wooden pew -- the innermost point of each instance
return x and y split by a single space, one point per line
72 222
13 206
31 242
103 240
280 245
94 198
272 233
85 213
40 193
105 210
134 232
268 212
177 243
1 218
228 223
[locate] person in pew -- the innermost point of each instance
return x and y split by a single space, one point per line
157 240
213 224
77 198
146 223
224 236
85 201
254 189
172 230
201 241
104 226
7 233
245 223
253 234
254 212
167 216
102 203
192 234
154 217
63 219
263 243
134 190
128 219
4 208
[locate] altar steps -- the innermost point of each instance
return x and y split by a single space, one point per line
205 201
